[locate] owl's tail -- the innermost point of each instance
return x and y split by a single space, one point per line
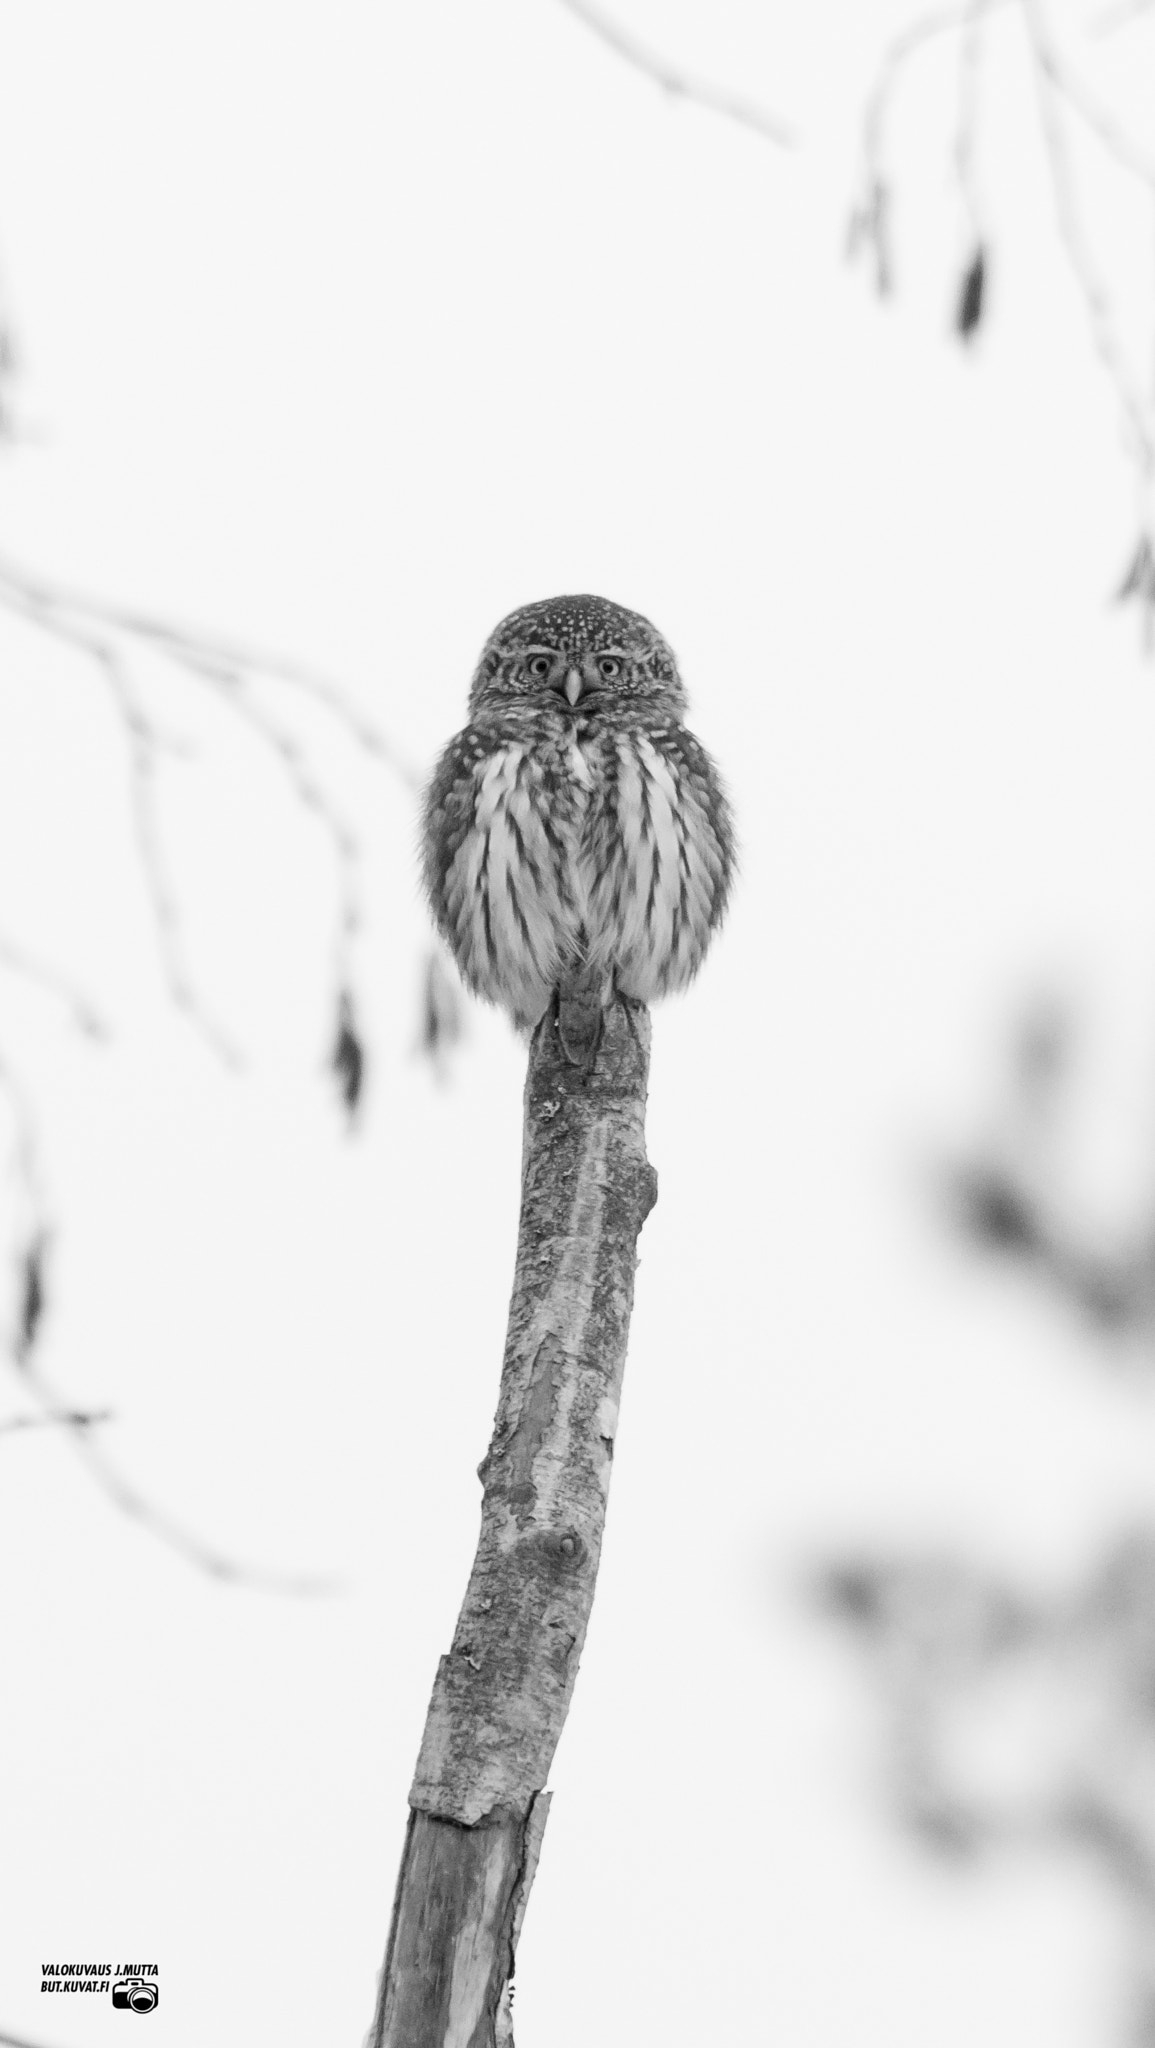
581 994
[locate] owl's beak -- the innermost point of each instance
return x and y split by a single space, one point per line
574 685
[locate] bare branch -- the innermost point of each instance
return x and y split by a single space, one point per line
192 650
69 1418
1095 295
24 1154
82 1014
232 685
1128 154
165 1528
107 634
683 84
870 217
145 745
1119 16
927 29
969 82
442 1024
34 1237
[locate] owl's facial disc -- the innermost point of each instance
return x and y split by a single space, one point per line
573 673
577 653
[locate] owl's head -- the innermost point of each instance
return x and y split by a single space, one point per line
578 653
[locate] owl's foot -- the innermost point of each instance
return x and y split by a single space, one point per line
634 1007
579 1025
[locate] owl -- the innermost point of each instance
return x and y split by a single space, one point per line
577 841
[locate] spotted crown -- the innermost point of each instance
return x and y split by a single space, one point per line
578 626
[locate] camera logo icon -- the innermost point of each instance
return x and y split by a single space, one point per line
134 1994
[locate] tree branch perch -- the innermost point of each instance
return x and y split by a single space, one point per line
502 1694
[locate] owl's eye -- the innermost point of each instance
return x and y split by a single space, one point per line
539 665
609 667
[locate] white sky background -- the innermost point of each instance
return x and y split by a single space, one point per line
348 329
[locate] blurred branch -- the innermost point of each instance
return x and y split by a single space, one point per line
951 1645
165 1528
71 1418
34 1237
969 82
1008 1198
442 1023
870 217
53 613
1059 88
1119 16
1128 154
82 1014
191 650
230 681
109 635
1077 245
9 367
682 84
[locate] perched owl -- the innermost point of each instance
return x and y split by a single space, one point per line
576 837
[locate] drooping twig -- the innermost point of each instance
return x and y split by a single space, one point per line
1128 154
65 1418
683 84
82 1013
231 683
478 1802
1095 295
9 367
189 649
1060 90
109 635
870 216
145 745
442 1004
34 1233
972 294
163 1527
1119 16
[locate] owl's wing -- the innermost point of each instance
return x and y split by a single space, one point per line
449 816
495 863
710 825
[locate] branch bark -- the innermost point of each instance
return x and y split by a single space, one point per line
478 1804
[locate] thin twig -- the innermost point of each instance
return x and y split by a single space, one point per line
683 84
926 29
166 1529
1095 295
870 217
34 1234
1128 154
145 745
69 1418
82 1014
25 1151
232 685
103 631
1119 16
969 82
188 649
